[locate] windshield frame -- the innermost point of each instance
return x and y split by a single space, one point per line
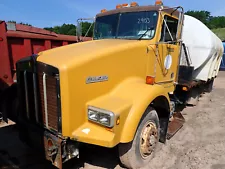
118 25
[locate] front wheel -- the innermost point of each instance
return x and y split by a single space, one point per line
141 150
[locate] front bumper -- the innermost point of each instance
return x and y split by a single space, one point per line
55 148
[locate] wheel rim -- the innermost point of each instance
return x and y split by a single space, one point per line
148 139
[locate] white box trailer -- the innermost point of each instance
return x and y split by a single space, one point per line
204 50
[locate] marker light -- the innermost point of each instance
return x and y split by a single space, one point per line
133 4
103 10
125 5
119 6
150 80
1 39
158 2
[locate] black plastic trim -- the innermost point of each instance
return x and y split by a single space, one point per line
47 69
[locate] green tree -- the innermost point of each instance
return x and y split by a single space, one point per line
217 22
66 29
203 16
27 24
70 29
87 27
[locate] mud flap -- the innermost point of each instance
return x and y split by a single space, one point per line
175 124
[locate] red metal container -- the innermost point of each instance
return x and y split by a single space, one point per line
18 41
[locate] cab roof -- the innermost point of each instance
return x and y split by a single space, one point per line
139 9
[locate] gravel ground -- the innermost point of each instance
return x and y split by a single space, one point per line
199 144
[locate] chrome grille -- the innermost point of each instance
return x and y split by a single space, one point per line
40 93
48 100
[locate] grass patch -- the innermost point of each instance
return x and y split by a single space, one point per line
220 32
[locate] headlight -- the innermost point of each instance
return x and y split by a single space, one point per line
101 116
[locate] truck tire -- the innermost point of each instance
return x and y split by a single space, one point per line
140 151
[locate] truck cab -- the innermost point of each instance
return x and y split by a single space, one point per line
114 90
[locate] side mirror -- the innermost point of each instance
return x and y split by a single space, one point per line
79 30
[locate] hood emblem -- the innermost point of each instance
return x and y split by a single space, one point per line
95 79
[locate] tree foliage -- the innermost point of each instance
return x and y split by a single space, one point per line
87 28
217 22
66 29
70 29
211 21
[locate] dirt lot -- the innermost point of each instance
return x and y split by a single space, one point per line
199 144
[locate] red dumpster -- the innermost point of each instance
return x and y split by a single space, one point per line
16 42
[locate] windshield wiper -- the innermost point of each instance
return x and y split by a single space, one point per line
149 29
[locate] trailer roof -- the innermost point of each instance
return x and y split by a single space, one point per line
21 34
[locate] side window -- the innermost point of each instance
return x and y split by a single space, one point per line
172 25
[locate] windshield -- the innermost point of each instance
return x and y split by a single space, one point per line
132 25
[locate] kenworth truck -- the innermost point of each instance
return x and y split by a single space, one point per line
123 88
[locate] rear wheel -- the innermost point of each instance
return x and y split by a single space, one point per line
141 150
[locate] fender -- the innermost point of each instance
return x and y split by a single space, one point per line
142 96
128 100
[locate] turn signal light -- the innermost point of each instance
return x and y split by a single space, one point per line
150 80
119 6
158 2
134 4
103 10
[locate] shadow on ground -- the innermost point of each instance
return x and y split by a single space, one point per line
15 154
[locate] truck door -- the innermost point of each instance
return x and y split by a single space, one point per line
168 51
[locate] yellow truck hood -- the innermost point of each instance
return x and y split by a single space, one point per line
62 57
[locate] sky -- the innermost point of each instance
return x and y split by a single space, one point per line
49 13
